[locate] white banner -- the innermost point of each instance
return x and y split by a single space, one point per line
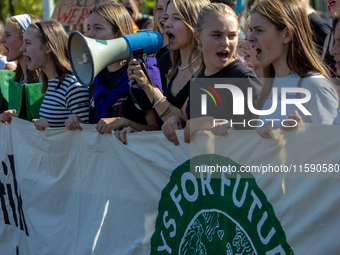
80 192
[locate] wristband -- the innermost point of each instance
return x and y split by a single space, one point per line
158 101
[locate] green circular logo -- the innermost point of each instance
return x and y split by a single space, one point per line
223 212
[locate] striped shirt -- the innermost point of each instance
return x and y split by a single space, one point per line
70 98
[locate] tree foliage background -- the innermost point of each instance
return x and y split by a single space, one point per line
15 7
147 6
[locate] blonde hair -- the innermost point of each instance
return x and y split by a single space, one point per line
53 34
117 15
188 12
32 76
302 56
216 9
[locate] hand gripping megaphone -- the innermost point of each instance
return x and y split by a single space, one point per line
89 56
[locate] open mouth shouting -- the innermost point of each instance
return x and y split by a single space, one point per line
259 52
162 25
7 50
170 36
28 59
246 56
223 55
330 5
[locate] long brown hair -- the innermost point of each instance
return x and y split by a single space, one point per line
117 15
154 10
119 18
302 57
188 12
215 9
32 76
53 34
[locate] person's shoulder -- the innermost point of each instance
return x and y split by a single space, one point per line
240 70
315 19
71 82
317 81
70 79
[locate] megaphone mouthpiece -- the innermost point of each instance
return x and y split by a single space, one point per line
84 59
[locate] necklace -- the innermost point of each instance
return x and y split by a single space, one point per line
182 68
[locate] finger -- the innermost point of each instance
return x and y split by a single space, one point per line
40 128
165 132
99 127
118 135
74 122
224 132
133 61
168 132
220 131
3 118
215 131
107 130
122 137
173 136
187 134
69 123
13 111
129 130
8 118
186 138
264 135
77 125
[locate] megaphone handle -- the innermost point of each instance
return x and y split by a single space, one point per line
149 79
134 84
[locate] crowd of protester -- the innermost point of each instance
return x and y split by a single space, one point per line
282 39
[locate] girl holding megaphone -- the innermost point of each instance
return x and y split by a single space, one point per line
181 17
110 104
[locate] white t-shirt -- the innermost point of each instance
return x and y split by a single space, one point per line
3 62
322 105
337 119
